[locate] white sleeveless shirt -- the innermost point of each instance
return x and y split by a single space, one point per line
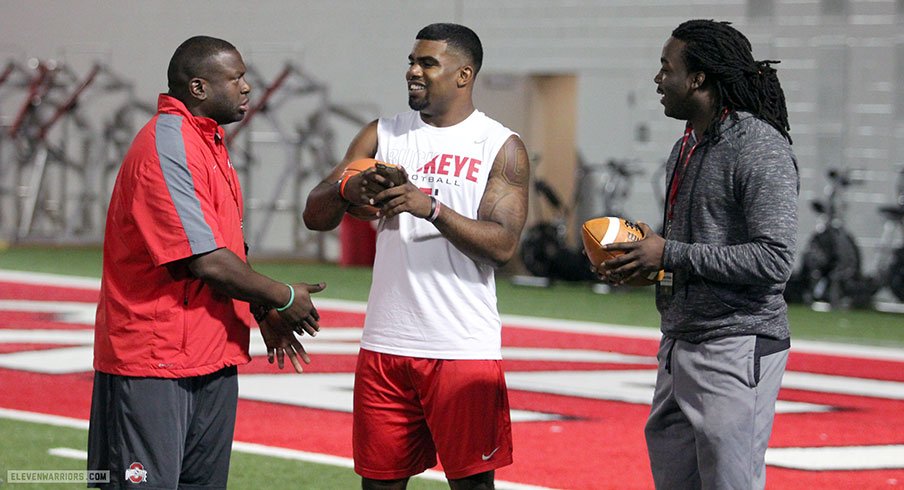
427 298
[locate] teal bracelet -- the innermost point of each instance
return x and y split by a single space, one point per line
291 299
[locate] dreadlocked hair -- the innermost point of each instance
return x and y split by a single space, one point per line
741 83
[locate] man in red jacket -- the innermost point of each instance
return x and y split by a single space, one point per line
173 318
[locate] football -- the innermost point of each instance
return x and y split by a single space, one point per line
598 232
360 165
363 211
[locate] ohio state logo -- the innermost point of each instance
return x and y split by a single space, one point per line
136 473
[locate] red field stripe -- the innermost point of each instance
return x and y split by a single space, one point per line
68 395
28 320
14 290
598 444
6 348
306 429
531 337
846 366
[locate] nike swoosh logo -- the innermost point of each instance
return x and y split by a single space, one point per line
486 457
477 142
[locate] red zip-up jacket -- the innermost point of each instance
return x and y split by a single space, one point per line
176 195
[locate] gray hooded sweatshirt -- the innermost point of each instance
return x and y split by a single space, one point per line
731 241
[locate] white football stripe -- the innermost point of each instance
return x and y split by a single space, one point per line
611 231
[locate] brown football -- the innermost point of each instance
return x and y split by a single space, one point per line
598 232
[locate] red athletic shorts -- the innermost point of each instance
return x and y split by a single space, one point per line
408 409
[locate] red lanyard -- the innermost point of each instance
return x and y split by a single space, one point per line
680 170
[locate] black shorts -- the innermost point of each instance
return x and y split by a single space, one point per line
163 433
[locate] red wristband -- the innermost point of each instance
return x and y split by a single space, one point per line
344 180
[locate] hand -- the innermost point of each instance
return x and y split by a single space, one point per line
363 187
280 339
405 198
641 258
395 175
301 316
596 270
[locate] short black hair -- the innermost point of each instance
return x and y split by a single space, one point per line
190 61
459 37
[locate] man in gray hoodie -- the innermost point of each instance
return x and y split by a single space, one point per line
727 250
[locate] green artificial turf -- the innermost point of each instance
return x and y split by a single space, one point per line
25 447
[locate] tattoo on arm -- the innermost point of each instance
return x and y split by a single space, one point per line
514 165
505 199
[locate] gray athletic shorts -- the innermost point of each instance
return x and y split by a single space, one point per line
156 433
712 411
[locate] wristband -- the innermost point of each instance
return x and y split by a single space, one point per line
291 299
435 206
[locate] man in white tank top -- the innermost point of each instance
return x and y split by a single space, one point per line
429 378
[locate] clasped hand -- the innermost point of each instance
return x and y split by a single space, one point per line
376 187
278 329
